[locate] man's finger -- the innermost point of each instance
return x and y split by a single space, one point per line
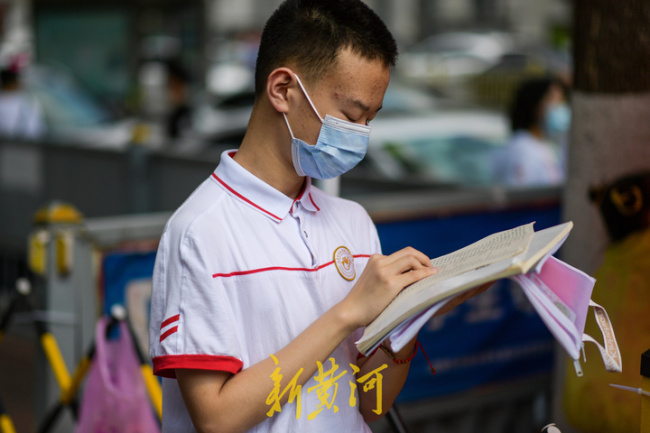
407 263
409 278
410 252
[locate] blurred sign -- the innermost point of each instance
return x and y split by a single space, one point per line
127 282
493 337
99 58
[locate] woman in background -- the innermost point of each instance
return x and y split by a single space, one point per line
540 119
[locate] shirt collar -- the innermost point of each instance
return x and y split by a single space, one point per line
306 198
258 194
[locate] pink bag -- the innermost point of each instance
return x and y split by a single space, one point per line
115 399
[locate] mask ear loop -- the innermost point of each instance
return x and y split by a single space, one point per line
308 98
288 126
295 153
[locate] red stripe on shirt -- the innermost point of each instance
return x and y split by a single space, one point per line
168 332
169 321
166 365
244 198
279 268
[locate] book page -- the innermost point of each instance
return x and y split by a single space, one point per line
491 249
561 328
553 298
542 243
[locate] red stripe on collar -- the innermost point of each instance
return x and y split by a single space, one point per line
313 202
225 185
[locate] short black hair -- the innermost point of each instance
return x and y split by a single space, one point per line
524 110
310 33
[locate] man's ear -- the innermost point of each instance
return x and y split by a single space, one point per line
277 88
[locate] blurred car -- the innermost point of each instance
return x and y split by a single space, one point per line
445 148
495 86
444 59
222 119
72 114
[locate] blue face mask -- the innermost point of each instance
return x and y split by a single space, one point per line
557 119
341 145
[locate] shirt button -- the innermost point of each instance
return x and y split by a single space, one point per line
306 235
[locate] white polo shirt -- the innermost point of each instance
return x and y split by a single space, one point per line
241 270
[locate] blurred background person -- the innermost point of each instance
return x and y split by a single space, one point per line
540 119
179 117
20 114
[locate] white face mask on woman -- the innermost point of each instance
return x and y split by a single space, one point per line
341 145
557 119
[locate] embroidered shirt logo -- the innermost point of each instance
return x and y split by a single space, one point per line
344 262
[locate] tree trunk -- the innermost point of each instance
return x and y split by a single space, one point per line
610 135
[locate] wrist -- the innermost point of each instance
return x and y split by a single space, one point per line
345 317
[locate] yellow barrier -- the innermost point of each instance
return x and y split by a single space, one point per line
56 360
68 394
153 388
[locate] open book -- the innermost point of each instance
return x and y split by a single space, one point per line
559 293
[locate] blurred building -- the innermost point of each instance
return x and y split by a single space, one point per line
15 29
103 42
411 20
518 37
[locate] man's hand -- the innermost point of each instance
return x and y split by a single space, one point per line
455 302
382 279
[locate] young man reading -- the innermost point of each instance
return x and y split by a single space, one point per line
260 272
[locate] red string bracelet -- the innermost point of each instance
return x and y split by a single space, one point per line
433 370
397 360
